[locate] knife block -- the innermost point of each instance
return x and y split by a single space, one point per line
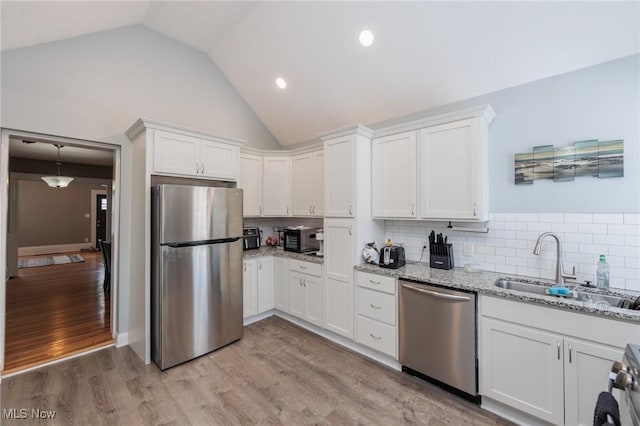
441 256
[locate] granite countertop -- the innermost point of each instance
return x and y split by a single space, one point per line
278 252
482 282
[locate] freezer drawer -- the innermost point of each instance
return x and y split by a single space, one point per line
437 334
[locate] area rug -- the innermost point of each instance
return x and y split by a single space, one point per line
34 262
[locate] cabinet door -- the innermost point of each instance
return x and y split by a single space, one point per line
296 295
339 310
523 367
450 176
302 185
265 284
586 369
393 176
313 299
276 193
219 160
175 154
338 276
318 183
249 288
250 181
339 249
339 161
281 284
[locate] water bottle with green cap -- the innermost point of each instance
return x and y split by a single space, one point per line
602 273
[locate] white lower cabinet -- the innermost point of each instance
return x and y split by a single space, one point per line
376 313
249 287
305 291
523 368
548 363
258 285
266 300
280 284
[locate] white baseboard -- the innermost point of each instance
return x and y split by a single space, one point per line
343 341
259 317
122 339
509 413
58 248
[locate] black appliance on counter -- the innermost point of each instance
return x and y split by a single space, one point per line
251 237
300 239
392 257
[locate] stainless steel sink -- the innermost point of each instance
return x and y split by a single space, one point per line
508 284
576 294
603 299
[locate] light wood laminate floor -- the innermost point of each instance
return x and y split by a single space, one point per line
55 311
277 374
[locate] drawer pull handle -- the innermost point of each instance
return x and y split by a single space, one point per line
374 282
375 306
374 336
303 267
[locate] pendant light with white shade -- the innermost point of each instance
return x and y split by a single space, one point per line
57 181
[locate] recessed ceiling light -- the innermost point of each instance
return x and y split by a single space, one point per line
281 83
366 38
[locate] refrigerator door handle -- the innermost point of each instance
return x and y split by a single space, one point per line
201 243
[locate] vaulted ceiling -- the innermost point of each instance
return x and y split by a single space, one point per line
425 54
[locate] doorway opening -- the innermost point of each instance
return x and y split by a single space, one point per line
56 302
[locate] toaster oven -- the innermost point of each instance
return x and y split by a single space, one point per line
300 240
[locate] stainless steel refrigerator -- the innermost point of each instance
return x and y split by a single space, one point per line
196 292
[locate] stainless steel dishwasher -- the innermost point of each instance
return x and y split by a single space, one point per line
438 336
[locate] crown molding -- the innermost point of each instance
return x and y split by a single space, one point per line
484 111
146 123
357 129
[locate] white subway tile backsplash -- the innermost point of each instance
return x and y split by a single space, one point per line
571 237
632 218
623 229
564 227
578 218
527 217
551 217
508 247
616 240
515 226
504 217
506 269
608 218
587 228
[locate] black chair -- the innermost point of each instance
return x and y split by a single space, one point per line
105 248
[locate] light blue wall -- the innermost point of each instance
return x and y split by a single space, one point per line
96 86
599 102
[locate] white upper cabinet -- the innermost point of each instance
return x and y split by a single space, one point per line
435 168
179 154
393 176
307 185
250 181
452 176
276 193
339 161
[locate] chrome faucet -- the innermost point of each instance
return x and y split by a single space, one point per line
561 276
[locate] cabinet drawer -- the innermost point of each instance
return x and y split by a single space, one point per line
305 267
376 282
376 305
376 335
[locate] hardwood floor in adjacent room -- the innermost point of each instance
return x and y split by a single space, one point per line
277 374
56 311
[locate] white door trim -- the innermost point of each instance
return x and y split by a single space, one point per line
94 214
4 199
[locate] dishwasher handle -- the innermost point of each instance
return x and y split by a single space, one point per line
437 294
